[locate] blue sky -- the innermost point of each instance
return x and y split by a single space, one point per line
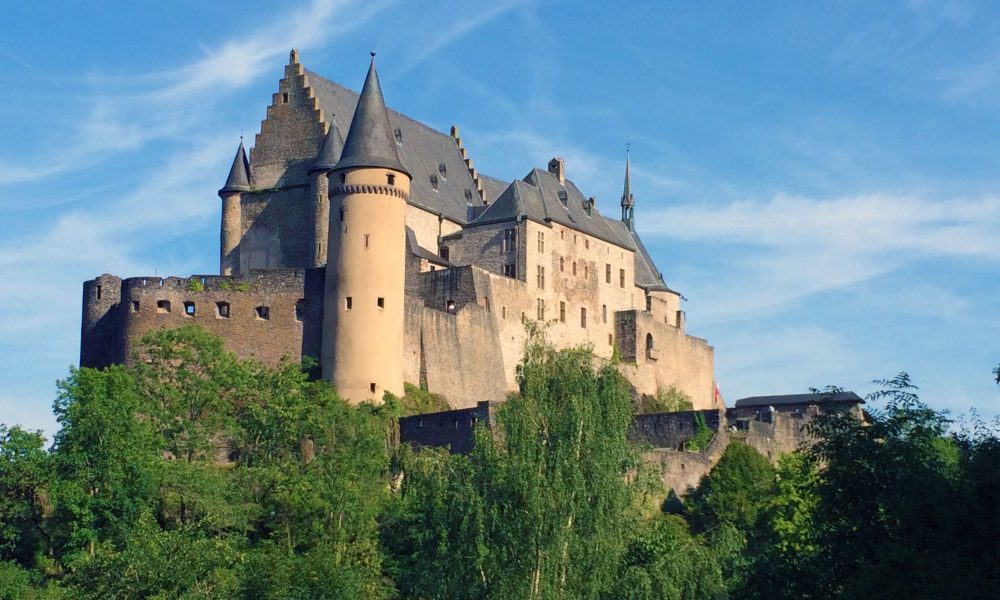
820 180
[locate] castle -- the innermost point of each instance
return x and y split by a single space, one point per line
386 256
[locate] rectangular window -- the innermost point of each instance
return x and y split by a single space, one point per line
604 313
341 215
562 312
380 302
586 271
300 309
371 386
574 268
135 306
562 266
263 312
366 240
444 253
503 312
509 240
607 273
510 271
541 277
189 309
541 309
621 277
222 310
98 292
163 306
649 303
583 318
586 243
348 303
541 241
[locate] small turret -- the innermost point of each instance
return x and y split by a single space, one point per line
366 262
628 201
237 183
319 182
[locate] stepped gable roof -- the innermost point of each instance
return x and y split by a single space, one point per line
815 398
239 173
369 141
329 154
422 150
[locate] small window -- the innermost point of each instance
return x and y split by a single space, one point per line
574 268
341 215
586 243
366 240
649 303
380 302
586 271
398 135
468 195
222 310
189 309
135 306
503 312
163 306
348 303
541 309
486 303
434 182
443 170
540 281
301 305
343 178
98 292
371 386
607 273
263 312
390 179
564 198
621 278
604 313
510 270
562 312
541 241
583 318
444 252
610 340
284 98
562 235
562 265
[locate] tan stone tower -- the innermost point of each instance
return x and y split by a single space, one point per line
229 239
363 308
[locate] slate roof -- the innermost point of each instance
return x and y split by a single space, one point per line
369 141
422 151
329 154
421 252
238 180
821 398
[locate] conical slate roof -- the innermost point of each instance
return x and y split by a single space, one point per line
329 154
370 142
239 173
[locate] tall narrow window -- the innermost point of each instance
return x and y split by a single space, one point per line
583 318
509 240
390 179
607 273
348 303
284 98
562 312
604 313
562 266
649 303
541 277
541 241
380 302
366 240
341 215
574 268
541 309
621 278
135 306
98 292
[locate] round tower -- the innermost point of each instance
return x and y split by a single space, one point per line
319 185
366 261
232 226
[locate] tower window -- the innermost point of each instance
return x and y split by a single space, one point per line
371 386
562 266
604 313
574 268
586 243
300 309
222 310
343 178
263 312
163 306
380 302
562 312
348 303
583 318
503 312
135 306
98 292
509 240
189 309
390 178
284 98
341 215
366 240
486 303
610 340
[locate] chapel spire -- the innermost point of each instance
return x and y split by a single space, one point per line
370 142
239 173
628 200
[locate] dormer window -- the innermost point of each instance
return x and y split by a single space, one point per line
398 134
564 198
434 182
443 170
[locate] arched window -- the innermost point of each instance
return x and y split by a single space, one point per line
650 350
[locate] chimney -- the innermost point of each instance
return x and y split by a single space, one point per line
557 166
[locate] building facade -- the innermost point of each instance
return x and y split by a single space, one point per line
385 255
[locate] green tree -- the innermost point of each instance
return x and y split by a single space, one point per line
25 475
734 492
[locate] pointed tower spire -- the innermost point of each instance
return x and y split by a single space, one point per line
628 201
239 173
370 142
329 154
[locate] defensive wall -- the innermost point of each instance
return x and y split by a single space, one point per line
662 438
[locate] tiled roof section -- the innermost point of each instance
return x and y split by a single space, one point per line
370 141
329 154
817 398
421 252
239 173
424 152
